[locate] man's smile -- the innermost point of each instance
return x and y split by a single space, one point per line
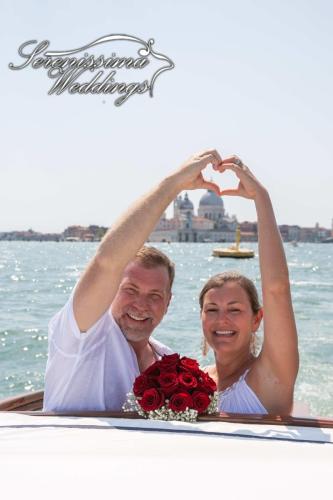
136 317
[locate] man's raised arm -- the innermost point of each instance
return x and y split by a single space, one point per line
99 283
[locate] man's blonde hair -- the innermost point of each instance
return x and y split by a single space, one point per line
150 257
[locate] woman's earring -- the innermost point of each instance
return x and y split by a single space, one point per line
204 346
254 344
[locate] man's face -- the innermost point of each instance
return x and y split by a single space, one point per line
141 301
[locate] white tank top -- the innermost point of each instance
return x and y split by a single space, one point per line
240 398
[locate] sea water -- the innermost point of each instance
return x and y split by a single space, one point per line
37 278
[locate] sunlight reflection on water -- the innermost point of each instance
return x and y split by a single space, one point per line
36 279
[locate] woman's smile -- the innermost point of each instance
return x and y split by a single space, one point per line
225 333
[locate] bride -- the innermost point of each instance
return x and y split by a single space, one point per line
231 315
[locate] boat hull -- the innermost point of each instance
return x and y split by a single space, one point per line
96 457
234 254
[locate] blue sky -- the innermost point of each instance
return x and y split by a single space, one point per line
251 77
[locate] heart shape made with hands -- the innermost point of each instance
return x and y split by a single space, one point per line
229 178
248 185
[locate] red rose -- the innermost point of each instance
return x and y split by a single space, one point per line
141 383
201 401
168 369
153 370
152 399
180 401
190 364
168 382
169 360
187 380
207 383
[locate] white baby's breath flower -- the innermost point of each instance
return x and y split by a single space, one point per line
165 413
213 407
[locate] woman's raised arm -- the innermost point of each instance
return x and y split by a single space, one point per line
274 372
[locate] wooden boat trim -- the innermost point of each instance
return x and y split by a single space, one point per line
221 417
25 401
31 404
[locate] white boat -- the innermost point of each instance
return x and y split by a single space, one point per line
112 455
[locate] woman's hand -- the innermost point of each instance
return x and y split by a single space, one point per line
248 186
189 175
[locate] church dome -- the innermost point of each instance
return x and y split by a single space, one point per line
186 203
210 199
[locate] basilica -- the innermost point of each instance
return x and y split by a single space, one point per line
211 223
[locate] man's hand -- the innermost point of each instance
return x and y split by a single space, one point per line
189 175
99 283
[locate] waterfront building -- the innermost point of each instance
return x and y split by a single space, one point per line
82 233
211 223
249 231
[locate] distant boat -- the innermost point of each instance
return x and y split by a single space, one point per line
234 251
294 243
72 238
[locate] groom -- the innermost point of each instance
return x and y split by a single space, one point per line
100 341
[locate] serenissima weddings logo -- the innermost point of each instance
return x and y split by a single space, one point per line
68 69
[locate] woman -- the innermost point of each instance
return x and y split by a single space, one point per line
231 315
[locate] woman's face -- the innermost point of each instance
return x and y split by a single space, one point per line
228 320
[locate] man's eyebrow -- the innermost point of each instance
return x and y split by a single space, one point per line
130 283
153 290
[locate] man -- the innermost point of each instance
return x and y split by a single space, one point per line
101 340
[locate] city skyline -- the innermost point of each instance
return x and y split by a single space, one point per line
208 221
168 213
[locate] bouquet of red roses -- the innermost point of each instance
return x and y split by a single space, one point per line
173 388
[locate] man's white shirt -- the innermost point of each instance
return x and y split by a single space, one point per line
89 371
